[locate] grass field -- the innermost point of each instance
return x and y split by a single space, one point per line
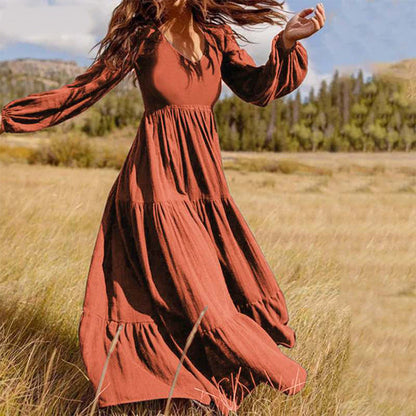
339 230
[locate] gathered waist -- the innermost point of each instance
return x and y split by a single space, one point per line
178 107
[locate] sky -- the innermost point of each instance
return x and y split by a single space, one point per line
356 34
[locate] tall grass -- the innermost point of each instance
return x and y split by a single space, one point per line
344 259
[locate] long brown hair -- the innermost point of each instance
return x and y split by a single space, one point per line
131 21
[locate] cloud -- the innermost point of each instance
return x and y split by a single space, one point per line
68 26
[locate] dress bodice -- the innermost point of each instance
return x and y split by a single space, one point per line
166 77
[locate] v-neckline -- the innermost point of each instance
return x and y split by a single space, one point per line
180 53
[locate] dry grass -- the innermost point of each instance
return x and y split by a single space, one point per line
339 234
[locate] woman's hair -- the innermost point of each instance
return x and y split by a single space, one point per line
131 21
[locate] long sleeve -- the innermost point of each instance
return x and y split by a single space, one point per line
45 109
283 72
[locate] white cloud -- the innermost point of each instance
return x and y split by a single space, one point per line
70 26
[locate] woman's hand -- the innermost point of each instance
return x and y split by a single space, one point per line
299 27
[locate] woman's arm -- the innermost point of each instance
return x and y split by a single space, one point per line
285 69
45 109
283 72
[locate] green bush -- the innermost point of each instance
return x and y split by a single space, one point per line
69 150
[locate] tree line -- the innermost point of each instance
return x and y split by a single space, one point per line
346 114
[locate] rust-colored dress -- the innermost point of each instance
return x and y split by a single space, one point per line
172 240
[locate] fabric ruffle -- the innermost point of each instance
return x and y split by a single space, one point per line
174 264
142 355
250 280
271 314
141 367
256 360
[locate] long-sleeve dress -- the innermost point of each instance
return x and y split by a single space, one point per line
171 240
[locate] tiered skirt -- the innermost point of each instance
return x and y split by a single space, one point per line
171 242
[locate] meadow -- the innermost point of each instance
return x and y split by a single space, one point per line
338 229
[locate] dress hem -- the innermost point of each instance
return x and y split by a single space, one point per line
179 396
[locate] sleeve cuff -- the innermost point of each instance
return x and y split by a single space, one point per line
281 46
2 121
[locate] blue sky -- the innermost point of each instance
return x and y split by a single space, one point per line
357 33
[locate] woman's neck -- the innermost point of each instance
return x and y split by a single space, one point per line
179 20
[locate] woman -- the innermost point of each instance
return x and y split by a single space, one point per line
172 240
